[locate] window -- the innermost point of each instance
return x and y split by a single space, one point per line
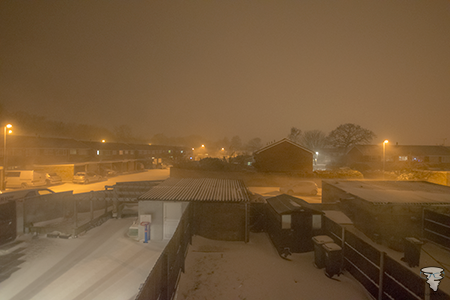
286 221
316 222
120 152
61 152
114 152
12 174
73 151
402 158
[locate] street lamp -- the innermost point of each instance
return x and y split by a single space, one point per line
384 153
6 128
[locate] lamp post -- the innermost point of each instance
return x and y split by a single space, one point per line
6 128
384 153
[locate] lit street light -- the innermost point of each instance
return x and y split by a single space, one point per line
384 153
7 127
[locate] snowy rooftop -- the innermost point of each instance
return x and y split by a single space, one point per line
398 192
198 189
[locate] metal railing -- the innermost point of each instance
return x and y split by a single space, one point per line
436 227
382 276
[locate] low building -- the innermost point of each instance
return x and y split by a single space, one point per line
220 208
387 210
284 156
399 156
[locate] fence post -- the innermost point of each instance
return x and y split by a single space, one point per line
427 292
381 275
92 209
343 248
75 213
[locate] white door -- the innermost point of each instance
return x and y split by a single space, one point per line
172 216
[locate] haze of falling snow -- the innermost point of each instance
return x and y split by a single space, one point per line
225 68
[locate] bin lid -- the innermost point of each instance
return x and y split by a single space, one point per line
330 247
322 239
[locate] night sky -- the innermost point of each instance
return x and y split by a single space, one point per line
225 68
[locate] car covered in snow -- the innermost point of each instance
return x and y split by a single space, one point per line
301 188
86 177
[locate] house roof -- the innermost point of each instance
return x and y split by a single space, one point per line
108 146
198 189
285 140
422 150
285 204
20 141
394 192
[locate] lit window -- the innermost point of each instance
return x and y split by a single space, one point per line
98 152
402 158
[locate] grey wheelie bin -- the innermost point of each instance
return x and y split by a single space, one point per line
319 251
333 259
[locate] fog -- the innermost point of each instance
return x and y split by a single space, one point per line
224 68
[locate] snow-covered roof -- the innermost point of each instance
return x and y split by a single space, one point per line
285 140
395 192
285 204
198 189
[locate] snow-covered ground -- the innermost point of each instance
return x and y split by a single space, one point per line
104 263
223 270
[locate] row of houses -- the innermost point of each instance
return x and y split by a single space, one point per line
68 156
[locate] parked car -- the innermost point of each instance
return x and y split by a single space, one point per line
53 178
301 188
86 177
26 193
24 178
109 172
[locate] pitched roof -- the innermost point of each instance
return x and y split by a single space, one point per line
198 189
285 140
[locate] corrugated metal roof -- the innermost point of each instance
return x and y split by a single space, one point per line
198 189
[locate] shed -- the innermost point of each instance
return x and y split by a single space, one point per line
292 223
220 207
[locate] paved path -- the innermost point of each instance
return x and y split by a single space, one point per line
102 264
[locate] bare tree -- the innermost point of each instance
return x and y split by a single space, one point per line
295 135
253 145
314 140
348 135
235 144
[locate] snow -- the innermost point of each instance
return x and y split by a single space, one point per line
236 270
104 263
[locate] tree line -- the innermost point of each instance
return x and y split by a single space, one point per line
344 136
